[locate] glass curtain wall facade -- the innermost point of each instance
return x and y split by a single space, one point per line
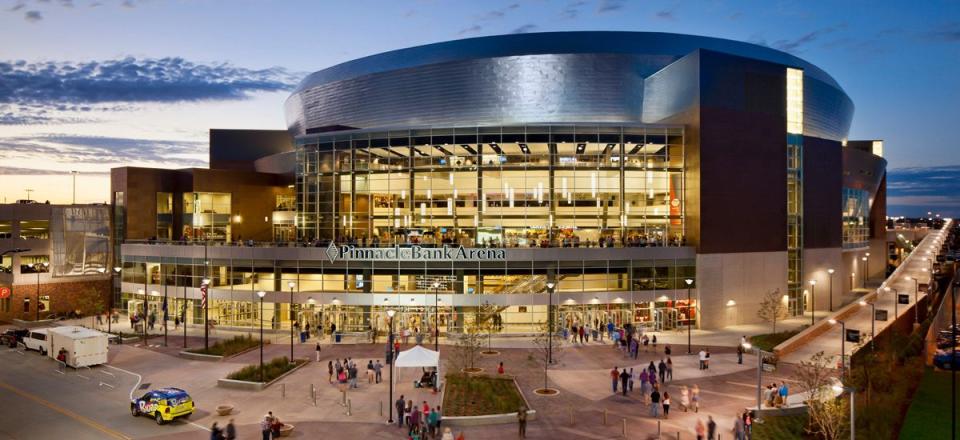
494 186
648 292
797 296
856 218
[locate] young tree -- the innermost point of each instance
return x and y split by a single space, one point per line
467 345
548 347
772 308
486 314
828 414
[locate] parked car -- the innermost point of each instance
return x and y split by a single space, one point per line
38 340
11 337
947 360
163 405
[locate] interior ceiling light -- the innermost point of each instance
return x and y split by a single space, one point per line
581 148
496 148
524 148
469 149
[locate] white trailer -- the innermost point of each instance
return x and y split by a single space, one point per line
85 347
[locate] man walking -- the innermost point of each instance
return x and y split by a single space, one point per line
711 428
740 354
655 403
662 370
703 358
317 349
400 404
522 421
614 376
377 369
624 378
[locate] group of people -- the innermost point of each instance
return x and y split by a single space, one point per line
775 395
346 372
422 422
226 433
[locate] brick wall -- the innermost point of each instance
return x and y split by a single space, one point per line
64 297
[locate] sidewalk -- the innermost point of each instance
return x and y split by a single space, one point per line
861 317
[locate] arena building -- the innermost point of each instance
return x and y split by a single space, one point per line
657 179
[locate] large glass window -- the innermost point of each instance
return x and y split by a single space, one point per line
495 186
856 217
206 216
164 216
6 229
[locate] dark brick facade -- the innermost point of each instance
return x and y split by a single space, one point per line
64 298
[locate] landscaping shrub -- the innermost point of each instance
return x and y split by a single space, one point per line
271 370
228 347
480 395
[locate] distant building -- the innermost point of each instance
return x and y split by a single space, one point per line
606 169
59 255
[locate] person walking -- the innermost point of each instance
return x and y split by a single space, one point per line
685 398
711 428
747 424
655 403
738 429
370 373
215 432
700 430
653 341
633 376
614 376
666 405
522 421
695 397
266 426
378 371
231 431
624 380
740 354
432 422
447 434
330 371
317 349
662 369
703 358
500 368
669 369
400 404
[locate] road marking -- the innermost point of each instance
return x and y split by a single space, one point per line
742 384
139 378
86 421
748 399
199 426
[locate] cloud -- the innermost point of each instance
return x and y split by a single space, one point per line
470 30
97 150
529 27
666 15
572 10
487 17
66 3
735 16
796 44
945 33
914 191
33 16
16 171
133 80
610 6
17 7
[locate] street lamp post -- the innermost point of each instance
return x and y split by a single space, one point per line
436 316
873 322
36 267
746 347
116 273
205 302
896 301
843 345
916 308
689 282
390 361
853 420
261 294
813 301
866 264
143 324
550 329
291 285
830 278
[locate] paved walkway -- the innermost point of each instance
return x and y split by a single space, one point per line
861 317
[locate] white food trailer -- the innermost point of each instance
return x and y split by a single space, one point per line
85 347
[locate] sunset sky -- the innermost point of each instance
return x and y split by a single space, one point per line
86 85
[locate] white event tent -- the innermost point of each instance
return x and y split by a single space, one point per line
419 357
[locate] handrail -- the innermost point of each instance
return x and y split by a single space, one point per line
556 243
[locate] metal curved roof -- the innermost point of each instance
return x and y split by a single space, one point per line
670 46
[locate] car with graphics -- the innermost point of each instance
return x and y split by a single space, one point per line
947 360
163 405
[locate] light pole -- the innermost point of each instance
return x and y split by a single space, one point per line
916 308
866 263
830 278
550 330
291 285
873 322
853 421
689 282
843 345
436 316
116 273
746 347
813 301
36 267
143 318
390 362
261 294
896 301
165 307
205 302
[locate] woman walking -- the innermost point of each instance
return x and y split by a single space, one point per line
695 397
330 371
685 398
666 405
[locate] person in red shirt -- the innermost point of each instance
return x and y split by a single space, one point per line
614 377
500 368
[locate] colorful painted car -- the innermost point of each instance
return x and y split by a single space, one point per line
163 405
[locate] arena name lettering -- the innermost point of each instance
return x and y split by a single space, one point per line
414 253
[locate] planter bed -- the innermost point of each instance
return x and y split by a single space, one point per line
274 371
228 347
482 400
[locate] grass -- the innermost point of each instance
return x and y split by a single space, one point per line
929 414
480 395
781 428
271 370
767 341
228 347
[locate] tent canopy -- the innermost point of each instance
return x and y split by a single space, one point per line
418 357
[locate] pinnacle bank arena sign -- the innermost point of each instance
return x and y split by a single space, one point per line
413 253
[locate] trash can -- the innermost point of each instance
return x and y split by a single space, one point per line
303 337
337 338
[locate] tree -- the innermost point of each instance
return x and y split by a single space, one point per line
90 303
772 308
487 314
467 345
548 344
827 413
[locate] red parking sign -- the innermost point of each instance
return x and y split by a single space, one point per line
4 292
